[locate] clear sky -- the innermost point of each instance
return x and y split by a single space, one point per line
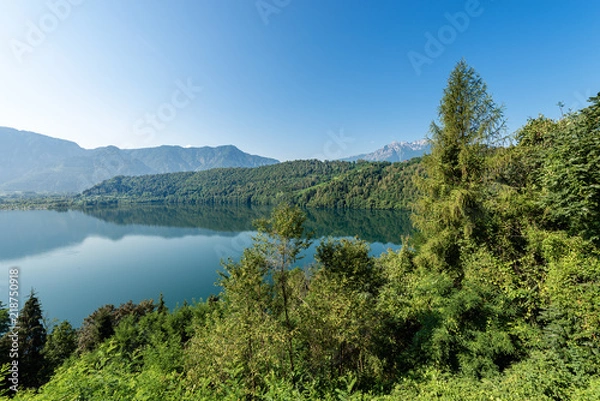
287 79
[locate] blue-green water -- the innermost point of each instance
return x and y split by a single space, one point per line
78 261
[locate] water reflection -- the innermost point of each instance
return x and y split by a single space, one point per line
385 226
78 261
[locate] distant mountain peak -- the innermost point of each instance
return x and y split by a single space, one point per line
39 163
395 152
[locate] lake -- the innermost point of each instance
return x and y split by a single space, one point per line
77 261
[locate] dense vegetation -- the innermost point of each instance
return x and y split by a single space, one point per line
496 298
311 183
307 183
31 200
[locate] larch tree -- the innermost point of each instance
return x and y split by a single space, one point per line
281 240
258 331
449 210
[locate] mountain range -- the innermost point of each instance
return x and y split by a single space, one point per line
39 163
31 162
395 152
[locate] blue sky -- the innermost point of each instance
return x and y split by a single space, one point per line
288 79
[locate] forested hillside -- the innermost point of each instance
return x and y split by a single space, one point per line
31 162
331 184
496 298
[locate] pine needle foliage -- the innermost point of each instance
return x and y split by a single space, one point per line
449 210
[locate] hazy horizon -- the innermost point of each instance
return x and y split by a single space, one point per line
282 79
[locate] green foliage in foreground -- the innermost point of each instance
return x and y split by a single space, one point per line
497 299
382 329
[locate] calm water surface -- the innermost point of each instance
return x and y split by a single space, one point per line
78 261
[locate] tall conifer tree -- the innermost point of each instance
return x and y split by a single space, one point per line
32 338
449 210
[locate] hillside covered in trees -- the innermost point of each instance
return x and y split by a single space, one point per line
310 183
496 298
